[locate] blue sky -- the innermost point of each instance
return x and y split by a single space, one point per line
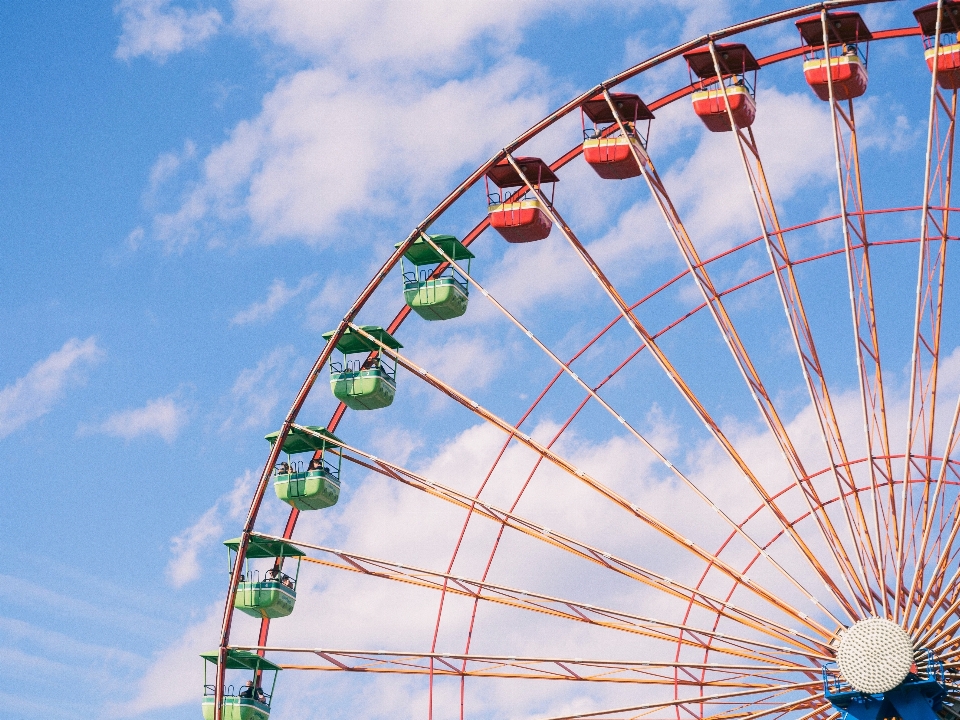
193 192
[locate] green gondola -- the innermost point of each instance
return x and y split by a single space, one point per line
366 384
246 702
435 296
274 594
318 485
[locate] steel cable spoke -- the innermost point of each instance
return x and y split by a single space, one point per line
615 497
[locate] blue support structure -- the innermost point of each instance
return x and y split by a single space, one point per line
916 698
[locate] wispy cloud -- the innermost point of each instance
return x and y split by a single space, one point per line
256 391
159 29
33 395
162 416
278 296
171 680
184 566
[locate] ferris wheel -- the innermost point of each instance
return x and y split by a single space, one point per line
800 561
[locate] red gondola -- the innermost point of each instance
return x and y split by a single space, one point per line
519 216
948 54
847 62
713 93
607 149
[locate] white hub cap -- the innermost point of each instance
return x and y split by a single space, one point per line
875 655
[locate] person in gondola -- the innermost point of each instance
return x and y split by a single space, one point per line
283 468
315 464
249 691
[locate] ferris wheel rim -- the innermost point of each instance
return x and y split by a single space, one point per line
380 277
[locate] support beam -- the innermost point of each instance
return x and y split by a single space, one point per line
806 349
671 587
757 651
644 672
737 527
853 223
925 359
692 399
714 302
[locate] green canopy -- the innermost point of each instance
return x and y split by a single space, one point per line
298 441
352 342
420 253
241 660
264 547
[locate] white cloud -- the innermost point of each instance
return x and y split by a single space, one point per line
278 296
159 29
292 176
174 676
33 395
401 35
161 416
184 566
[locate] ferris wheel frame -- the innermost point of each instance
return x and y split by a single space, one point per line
863 576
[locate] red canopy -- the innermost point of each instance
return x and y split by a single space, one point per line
927 17
735 59
843 27
627 104
537 171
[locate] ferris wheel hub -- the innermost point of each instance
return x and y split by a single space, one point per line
875 655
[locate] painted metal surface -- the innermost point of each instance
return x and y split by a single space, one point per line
236 708
443 298
265 599
367 389
847 75
310 490
711 107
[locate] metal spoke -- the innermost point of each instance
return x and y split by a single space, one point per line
588 552
712 299
610 494
698 700
691 398
502 666
853 224
738 528
943 560
925 359
803 339
527 600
